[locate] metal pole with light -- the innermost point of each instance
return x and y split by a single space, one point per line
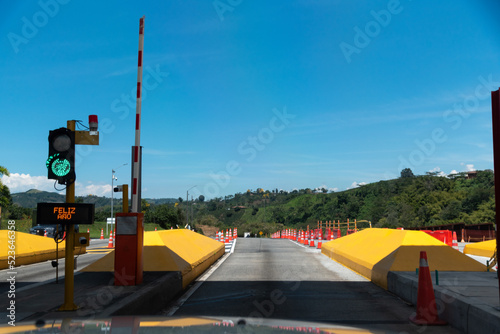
187 205
81 138
113 177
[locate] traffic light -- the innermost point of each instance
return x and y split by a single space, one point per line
61 160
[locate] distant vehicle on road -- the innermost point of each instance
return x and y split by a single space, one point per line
51 230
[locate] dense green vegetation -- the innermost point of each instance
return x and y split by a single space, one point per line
408 201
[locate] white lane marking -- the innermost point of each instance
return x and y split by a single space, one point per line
199 281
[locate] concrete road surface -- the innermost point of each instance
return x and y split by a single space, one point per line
41 272
280 279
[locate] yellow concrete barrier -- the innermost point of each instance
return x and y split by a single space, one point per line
374 252
172 250
484 248
31 248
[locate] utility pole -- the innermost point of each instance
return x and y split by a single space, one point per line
187 205
113 177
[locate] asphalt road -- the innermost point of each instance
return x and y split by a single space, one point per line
279 279
37 273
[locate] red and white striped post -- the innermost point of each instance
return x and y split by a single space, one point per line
136 150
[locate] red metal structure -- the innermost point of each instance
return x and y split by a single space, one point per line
495 111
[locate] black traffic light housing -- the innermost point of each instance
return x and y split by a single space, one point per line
61 160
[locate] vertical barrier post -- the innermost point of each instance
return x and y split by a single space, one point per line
136 149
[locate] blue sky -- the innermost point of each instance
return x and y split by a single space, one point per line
250 94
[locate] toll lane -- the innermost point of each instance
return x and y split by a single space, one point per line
266 278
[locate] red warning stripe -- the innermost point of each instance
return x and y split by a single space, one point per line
134 187
141 26
136 153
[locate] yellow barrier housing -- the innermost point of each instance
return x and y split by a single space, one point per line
374 252
171 250
32 248
484 248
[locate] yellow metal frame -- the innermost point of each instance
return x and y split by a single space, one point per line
85 138
81 138
86 236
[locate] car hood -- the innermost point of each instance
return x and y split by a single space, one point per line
128 324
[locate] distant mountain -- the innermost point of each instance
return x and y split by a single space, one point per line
30 198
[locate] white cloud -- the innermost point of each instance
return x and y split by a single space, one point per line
439 172
320 188
24 182
470 168
356 184
324 186
93 189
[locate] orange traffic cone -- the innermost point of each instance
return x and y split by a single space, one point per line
311 241
44 233
110 243
102 234
426 301
227 237
230 235
320 240
455 242
156 229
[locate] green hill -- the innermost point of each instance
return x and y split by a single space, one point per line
30 198
408 201
404 202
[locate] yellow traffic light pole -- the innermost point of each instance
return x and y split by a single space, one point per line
81 138
69 267
125 198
